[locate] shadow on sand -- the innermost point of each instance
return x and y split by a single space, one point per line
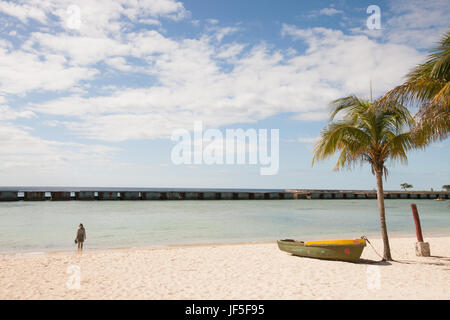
434 261
373 262
360 261
441 258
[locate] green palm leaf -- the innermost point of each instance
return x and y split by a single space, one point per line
427 86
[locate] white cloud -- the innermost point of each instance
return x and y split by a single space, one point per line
153 22
329 11
20 148
191 84
193 78
22 72
23 12
308 140
96 16
59 61
7 113
88 50
212 21
230 50
119 63
78 50
351 62
222 32
418 24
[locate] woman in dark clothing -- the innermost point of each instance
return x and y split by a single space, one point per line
81 236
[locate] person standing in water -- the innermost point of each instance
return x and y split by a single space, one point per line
81 236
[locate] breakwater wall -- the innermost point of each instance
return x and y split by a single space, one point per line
104 195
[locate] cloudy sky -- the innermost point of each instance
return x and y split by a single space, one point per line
91 91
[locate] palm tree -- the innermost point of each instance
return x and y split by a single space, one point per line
428 86
367 134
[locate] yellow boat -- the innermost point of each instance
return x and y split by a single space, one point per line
344 250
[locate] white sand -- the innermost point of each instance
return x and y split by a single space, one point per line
243 271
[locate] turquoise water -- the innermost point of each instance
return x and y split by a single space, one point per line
48 226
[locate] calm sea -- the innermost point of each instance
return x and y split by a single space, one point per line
49 226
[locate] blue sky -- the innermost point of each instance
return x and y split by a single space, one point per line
90 92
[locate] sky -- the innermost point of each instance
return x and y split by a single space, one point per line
91 92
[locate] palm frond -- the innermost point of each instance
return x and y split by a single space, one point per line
398 145
348 105
340 136
428 87
366 134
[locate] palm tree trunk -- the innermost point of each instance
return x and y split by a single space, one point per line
384 234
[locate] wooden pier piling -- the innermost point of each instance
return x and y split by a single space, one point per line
422 248
417 222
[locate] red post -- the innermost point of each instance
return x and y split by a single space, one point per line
417 222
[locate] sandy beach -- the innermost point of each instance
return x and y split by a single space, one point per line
227 271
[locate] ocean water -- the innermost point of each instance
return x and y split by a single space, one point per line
51 226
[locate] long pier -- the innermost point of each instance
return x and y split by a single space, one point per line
38 194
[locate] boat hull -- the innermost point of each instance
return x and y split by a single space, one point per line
343 250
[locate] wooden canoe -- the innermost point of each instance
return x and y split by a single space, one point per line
344 250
